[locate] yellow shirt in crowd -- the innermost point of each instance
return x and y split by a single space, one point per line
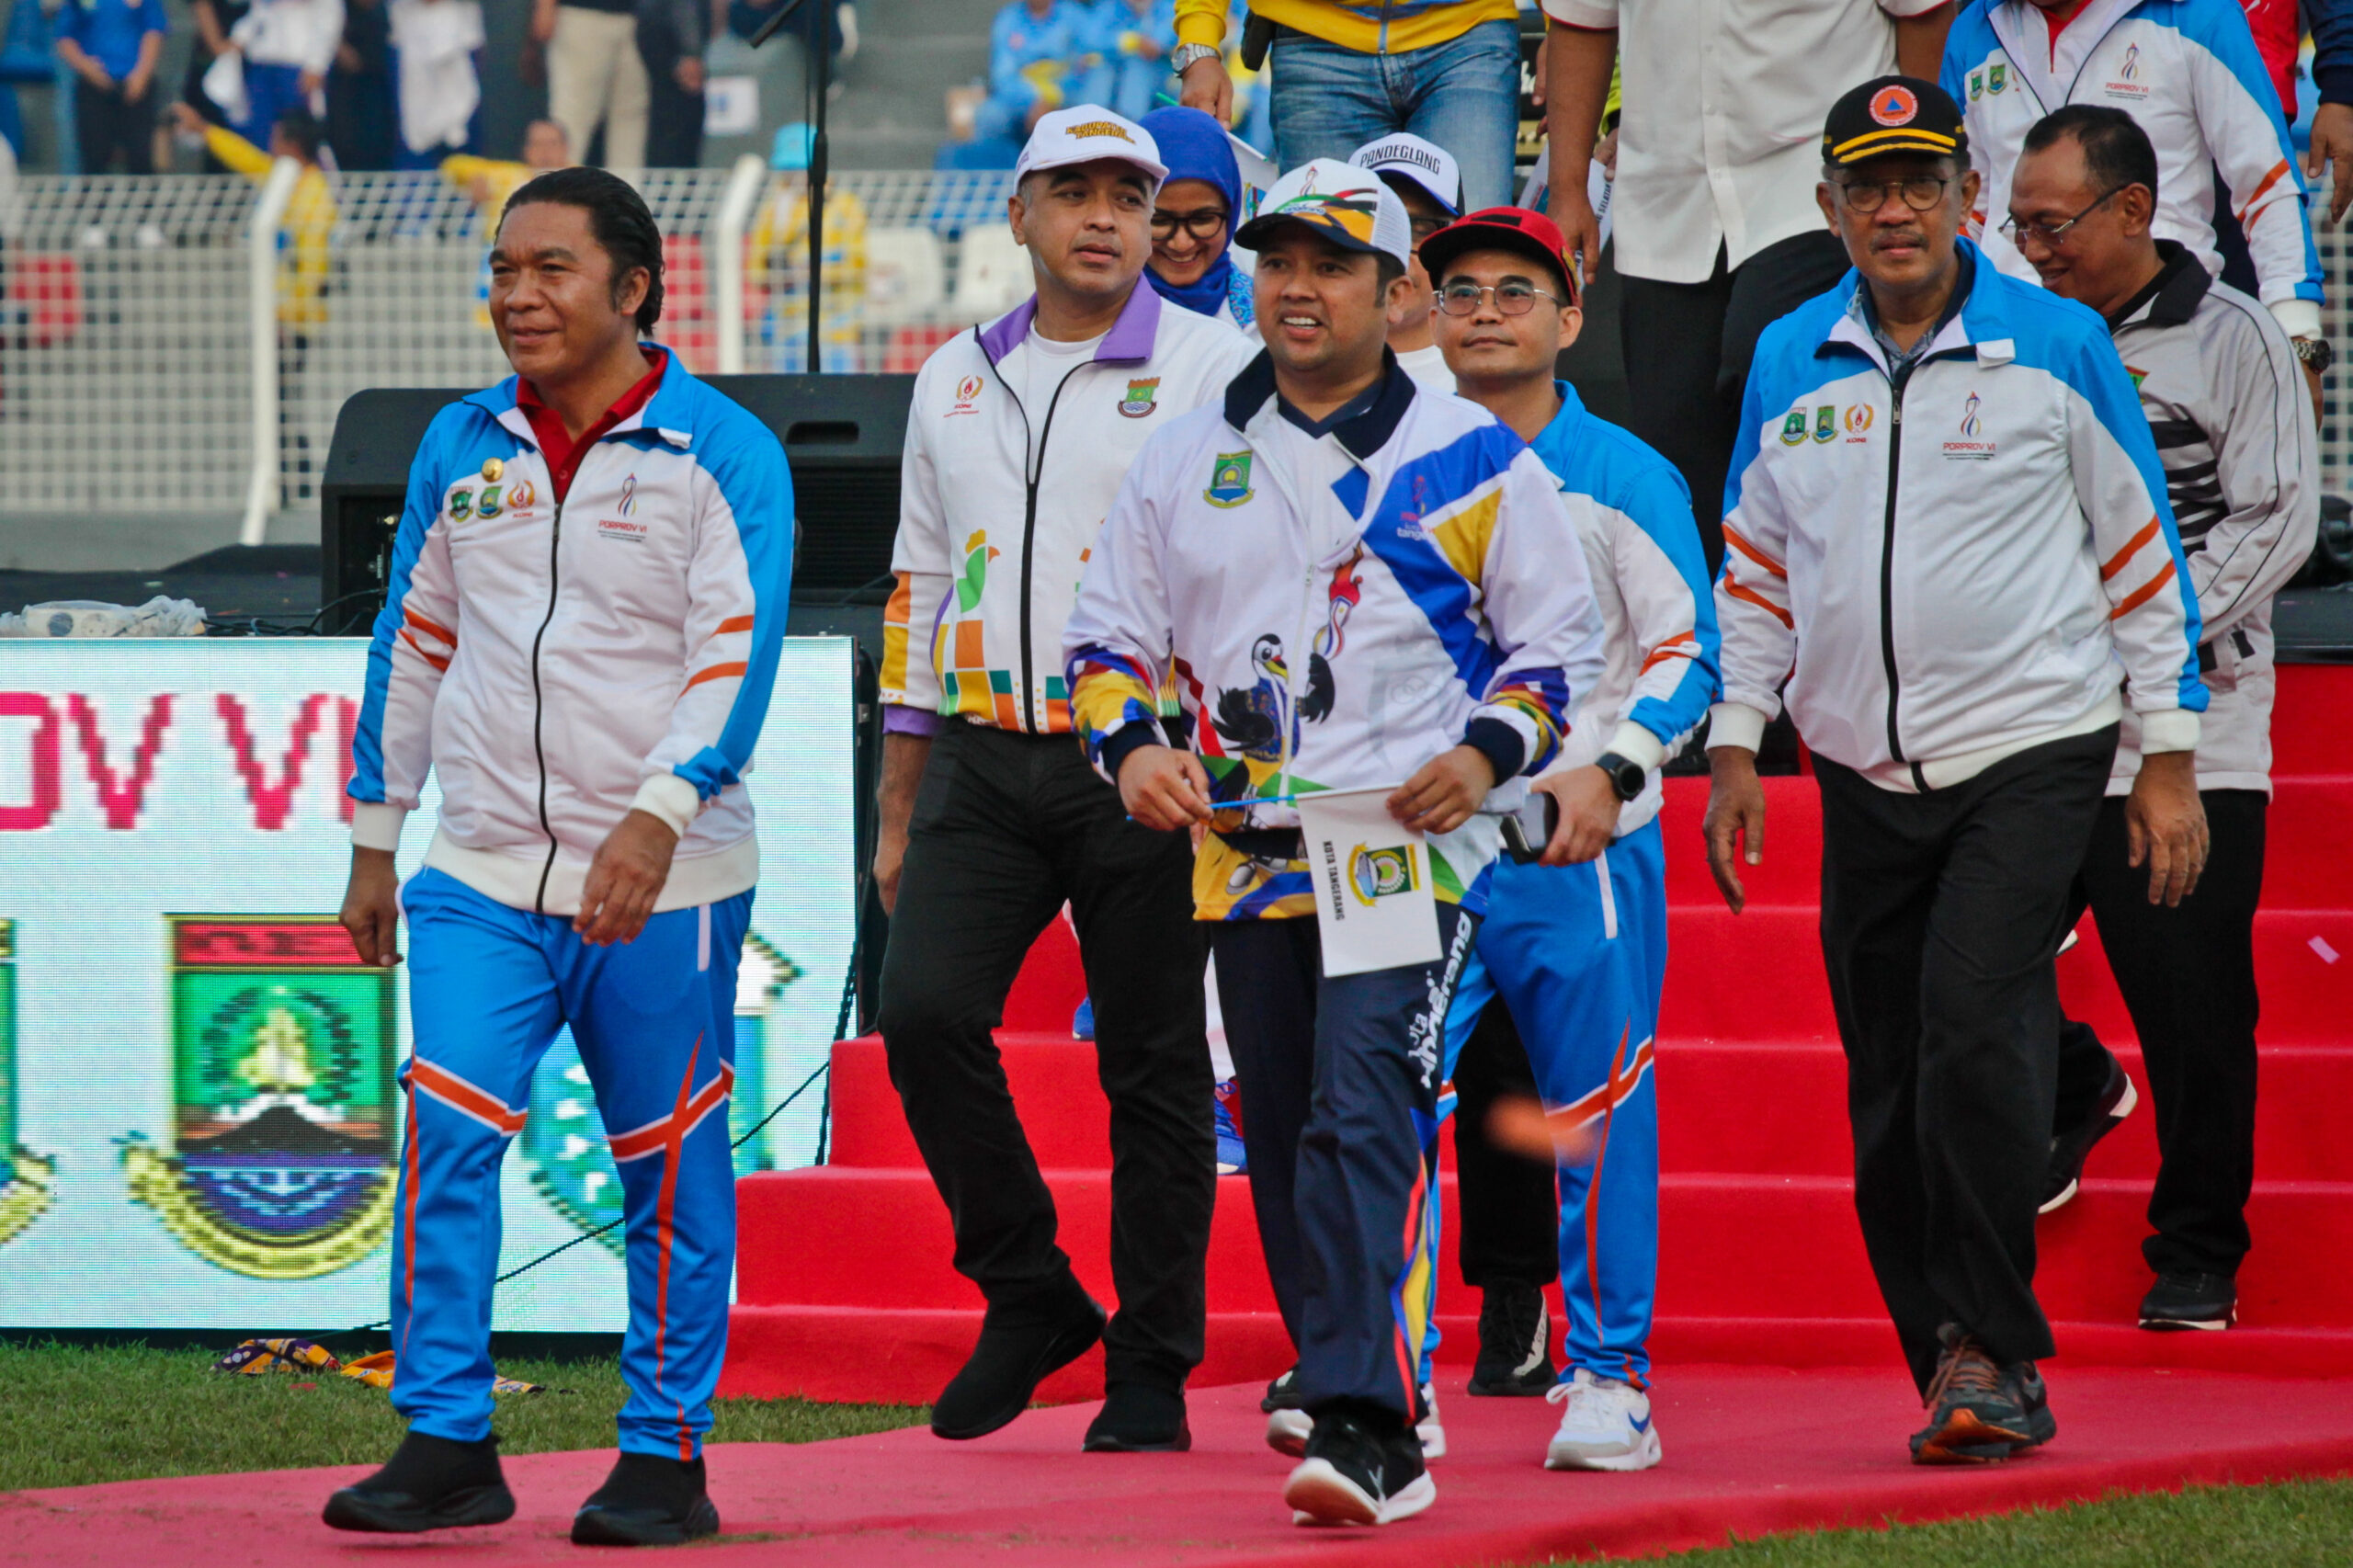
308 231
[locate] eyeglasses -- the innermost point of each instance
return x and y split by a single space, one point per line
1511 299
1921 193
2052 234
1423 228
1202 223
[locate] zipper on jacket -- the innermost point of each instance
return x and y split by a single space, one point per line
1896 384
1033 470
538 703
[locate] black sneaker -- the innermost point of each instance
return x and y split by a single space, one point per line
647 1501
1140 1418
431 1484
1977 1409
1356 1473
2182 1299
1515 1343
2071 1148
1287 1424
1021 1345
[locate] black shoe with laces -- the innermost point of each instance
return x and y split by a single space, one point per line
1021 1345
1978 1410
1363 1467
2071 1148
647 1500
1515 1343
2183 1299
430 1484
1287 1423
1140 1418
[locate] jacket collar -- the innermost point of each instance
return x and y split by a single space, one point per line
2172 297
669 413
1366 434
2024 36
1132 336
1982 322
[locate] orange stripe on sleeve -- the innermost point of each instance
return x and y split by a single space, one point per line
1742 591
1732 537
2131 545
2265 185
2142 594
435 659
715 672
734 623
435 628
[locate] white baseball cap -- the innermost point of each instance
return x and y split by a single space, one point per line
1083 133
1407 157
1348 206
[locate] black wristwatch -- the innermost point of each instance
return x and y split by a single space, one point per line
1626 776
2317 353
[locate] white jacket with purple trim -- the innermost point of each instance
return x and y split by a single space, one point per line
561 665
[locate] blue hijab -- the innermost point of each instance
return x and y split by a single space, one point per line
1194 146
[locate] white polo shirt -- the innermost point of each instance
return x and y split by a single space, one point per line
1719 140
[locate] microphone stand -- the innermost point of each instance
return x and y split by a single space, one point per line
819 38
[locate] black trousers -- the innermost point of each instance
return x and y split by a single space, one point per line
1338 1077
2188 976
1688 347
1511 1205
108 124
1941 915
1005 828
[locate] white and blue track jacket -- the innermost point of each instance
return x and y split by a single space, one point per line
1336 611
2187 70
1956 560
1650 582
560 665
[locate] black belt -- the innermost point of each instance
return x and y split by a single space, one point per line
1265 842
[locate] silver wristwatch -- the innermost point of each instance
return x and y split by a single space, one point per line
1181 58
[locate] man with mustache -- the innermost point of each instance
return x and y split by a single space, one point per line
1947 511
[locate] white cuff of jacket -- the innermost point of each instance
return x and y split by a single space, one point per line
1635 743
1735 724
2169 728
671 798
375 826
2297 318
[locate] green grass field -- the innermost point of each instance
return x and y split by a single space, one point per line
75 1415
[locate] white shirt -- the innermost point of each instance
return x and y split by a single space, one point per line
1720 141
1044 363
1428 367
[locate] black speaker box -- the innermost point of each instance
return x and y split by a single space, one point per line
842 436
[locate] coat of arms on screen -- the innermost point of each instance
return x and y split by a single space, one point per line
24 1177
563 1139
281 1165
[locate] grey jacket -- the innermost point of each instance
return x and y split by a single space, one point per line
2227 403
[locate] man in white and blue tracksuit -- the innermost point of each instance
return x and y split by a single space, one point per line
585 611
1576 948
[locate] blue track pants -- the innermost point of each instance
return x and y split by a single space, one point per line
1579 953
489 986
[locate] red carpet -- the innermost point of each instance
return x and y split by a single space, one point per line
1760 1260
1748 1449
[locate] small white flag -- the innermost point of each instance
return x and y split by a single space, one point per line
1375 905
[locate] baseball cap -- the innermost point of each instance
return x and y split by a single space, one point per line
1348 206
1406 156
1894 114
1501 228
1083 133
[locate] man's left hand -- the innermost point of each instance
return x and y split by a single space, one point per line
2311 385
1442 797
2333 143
2165 824
624 880
310 82
1588 816
689 72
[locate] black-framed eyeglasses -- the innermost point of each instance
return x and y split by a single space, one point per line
2052 235
1513 299
1921 193
1423 228
1202 223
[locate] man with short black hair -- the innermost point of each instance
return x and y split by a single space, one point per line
588 598
2219 384
1946 512
1349 581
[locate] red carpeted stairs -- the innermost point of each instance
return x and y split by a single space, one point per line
845 1290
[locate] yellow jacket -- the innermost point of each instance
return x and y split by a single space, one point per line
487 182
1373 26
308 231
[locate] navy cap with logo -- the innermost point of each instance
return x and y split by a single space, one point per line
1894 114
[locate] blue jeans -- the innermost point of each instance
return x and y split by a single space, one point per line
271 91
1464 95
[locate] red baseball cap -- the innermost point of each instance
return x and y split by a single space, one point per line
1501 228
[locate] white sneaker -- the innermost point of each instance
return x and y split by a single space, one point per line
1430 1428
1287 1431
1604 1425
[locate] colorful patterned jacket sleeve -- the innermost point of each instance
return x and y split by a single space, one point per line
919 560
1119 641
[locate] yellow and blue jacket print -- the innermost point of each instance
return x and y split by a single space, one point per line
1336 609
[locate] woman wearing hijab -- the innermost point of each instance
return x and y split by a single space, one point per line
1192 218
